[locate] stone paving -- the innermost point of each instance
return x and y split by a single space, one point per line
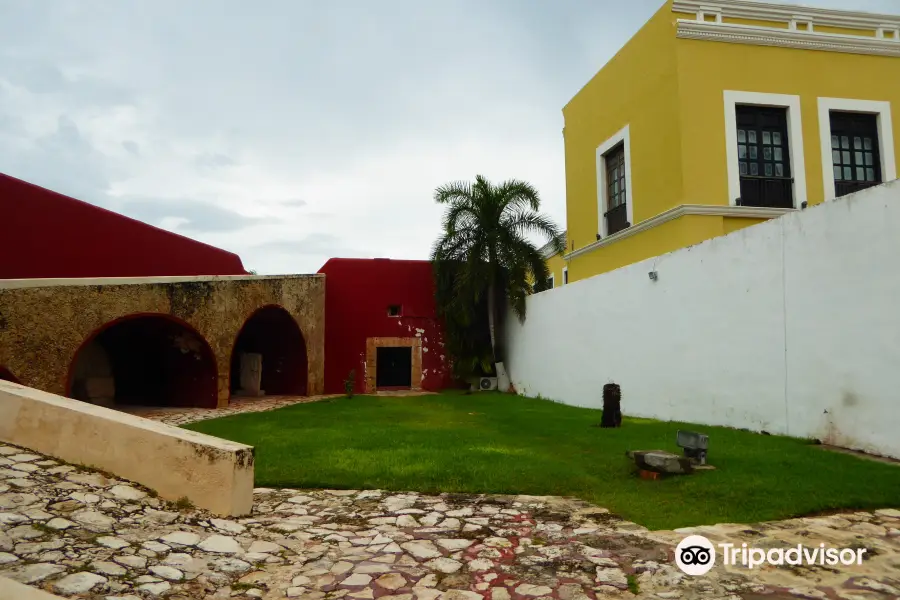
82 534
183 416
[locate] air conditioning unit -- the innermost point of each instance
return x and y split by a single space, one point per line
487 383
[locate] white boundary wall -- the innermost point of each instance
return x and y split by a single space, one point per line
791 326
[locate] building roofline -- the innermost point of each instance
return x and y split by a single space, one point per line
753 9
63 197
547 249
13 284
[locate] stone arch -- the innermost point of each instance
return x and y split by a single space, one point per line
145 359
6 375
269 355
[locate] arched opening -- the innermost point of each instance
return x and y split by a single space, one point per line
145 360
6 375
269 356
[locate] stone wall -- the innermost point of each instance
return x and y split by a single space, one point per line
43 323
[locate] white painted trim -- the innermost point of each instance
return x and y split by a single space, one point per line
795 139
748 212
565 275
6 284
785 13
885 137
787 38
547 250
623 136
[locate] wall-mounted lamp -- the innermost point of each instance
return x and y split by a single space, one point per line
599 236
803 204
653 275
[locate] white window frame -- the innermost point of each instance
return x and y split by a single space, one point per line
565 276
623 136
552 281
733 99
882 111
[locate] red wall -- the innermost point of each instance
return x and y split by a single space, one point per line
358 293
47 235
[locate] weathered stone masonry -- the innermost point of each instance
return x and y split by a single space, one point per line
44 323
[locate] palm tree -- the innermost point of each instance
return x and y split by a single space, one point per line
484 249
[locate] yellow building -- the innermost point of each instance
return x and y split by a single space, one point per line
559 272
719 114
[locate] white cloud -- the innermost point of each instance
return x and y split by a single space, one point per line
291 132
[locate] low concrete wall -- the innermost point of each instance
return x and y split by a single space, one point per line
13 590
214 474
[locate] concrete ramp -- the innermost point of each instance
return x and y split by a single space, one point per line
214 474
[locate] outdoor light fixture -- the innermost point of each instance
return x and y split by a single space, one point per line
694 444
653 275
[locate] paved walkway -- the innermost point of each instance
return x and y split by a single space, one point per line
182 416
80 534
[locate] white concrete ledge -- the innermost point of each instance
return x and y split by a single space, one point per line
13 590
214 474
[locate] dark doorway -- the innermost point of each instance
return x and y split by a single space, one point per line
272 335
6 375
393 367
146 360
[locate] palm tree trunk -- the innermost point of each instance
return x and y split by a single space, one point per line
492 319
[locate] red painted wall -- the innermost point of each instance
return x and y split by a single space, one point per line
358 293
44 234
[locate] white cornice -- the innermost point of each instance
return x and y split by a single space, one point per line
788 38
547 250
748 212
786 13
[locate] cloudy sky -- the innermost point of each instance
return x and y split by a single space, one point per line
290 131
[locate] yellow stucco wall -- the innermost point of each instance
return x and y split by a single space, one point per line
638 87
706 69
556 264
672 235
730 224
669 91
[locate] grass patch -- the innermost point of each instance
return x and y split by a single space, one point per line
183 503
505 444
633 586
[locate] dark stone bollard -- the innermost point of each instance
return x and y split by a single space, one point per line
612 406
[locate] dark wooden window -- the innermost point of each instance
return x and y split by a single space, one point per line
550 282
854 152
565 276
616 195
763 157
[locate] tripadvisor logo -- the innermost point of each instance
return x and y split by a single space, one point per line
696 555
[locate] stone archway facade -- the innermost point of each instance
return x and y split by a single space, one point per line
43 323
269 355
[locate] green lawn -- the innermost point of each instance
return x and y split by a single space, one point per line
501 443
